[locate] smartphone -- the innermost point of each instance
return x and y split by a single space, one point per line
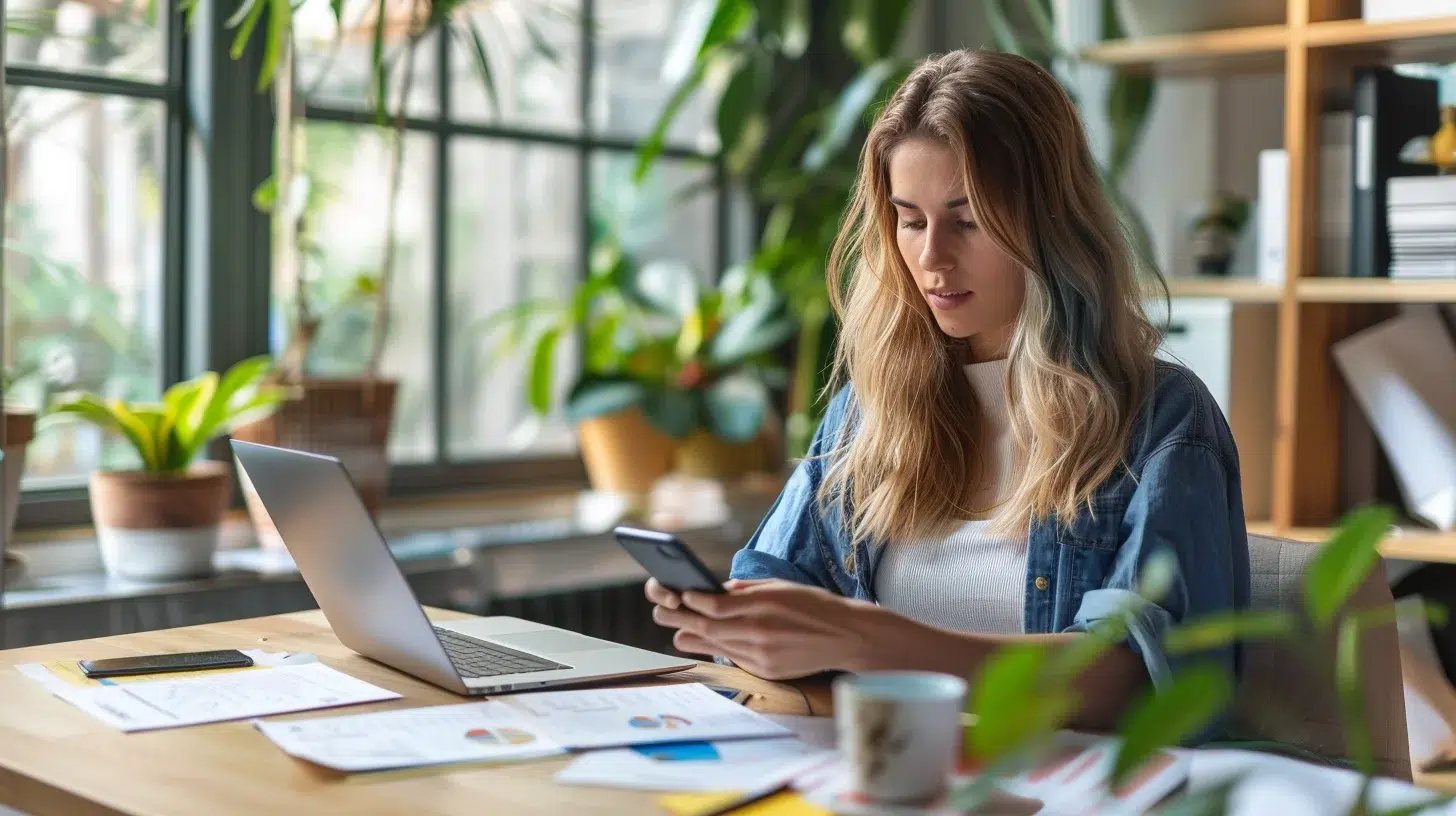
668 559
161 663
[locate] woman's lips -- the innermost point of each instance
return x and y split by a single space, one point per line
947 300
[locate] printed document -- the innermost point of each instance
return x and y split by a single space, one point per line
387 740
712 766
605 718
224 696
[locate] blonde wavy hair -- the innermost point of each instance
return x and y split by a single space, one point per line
1081 356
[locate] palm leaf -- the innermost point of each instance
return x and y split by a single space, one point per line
381 68
176 406
280 33
480 60
196 424
263 404
138 432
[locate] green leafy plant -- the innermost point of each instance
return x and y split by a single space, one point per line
801 80
654 338
168 436
1025 693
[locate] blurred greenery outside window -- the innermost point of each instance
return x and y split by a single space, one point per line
513 181
88 99
498 195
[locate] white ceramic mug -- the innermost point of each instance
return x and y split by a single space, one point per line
900 733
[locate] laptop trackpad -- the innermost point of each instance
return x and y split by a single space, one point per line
550 642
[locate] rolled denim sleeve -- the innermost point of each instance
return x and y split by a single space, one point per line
791 542
1187 503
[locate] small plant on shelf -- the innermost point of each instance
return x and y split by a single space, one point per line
1216 228
675 374
160 520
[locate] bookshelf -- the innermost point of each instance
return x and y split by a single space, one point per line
1243 290
1312 50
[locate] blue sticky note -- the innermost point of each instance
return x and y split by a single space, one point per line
679 751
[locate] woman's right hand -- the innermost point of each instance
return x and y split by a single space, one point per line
661 595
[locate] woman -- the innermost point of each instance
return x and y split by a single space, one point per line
1006 457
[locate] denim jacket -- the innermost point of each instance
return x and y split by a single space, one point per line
1178 491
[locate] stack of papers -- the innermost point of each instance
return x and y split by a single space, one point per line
148 702
522 726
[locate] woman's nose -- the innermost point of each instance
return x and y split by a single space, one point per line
935 255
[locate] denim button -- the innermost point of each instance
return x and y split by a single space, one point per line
1042 583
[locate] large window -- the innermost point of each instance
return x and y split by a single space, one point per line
498 197
93 106
501 191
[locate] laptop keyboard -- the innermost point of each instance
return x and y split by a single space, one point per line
478 658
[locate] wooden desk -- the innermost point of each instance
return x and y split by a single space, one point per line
55 759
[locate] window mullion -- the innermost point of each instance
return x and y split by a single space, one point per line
226 243
441 382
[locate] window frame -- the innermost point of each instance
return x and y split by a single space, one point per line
53 506
446 473
217 291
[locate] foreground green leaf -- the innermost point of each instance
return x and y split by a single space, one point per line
1223 628
1014 704
1343 563
1169 716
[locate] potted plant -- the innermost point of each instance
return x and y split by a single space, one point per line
19 431
1216 228
675 375
160 520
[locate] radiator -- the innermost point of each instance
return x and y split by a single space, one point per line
618 613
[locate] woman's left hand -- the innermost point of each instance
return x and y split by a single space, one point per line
776 630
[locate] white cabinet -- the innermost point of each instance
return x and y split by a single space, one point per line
1232 348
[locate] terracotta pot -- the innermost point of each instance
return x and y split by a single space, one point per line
706 456
344 418
19 430
623 453
160 527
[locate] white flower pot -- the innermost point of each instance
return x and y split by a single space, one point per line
158 555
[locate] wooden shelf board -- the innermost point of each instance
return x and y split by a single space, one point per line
1412 544
1247 49
1233 289
1261 48
1335 33
1374 290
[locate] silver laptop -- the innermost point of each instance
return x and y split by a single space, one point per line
348 566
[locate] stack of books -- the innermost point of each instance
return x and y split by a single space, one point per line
1421 216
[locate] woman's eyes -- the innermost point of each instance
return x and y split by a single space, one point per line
920 225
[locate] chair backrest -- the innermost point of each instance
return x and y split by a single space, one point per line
1284 696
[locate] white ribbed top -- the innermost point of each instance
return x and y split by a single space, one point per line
970 581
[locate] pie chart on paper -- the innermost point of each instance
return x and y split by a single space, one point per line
504 735
659 721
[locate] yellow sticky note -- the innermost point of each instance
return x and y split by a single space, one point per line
71 673
786 803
